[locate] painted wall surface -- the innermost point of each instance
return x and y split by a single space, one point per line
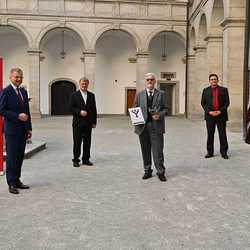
53 67
13 49
113 74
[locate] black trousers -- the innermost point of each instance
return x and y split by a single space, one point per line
221 126
81 136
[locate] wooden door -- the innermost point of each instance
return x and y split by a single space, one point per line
130 98
60 94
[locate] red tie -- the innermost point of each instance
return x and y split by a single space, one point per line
19 95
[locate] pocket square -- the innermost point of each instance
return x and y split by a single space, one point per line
222 94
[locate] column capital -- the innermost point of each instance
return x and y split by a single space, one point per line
34 51
89 53
233 22
142 54
213 38
191 56
200 48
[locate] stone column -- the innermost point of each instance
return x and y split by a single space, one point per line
200 79
233 54
89 68
191 86
34 83
142 69
215 56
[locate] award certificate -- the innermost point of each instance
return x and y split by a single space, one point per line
136 116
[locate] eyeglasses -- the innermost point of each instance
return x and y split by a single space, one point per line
17 77
149 79
213 79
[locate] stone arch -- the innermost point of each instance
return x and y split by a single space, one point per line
202 30
69 26
126 29
25 32
181 34
217 16
192 40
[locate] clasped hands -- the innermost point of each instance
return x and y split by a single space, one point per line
215 113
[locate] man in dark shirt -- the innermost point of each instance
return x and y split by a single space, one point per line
215 101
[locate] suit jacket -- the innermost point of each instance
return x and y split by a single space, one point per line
159 99
207 103
76 104
11 107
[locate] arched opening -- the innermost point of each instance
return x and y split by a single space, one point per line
115 67
170 74
60 94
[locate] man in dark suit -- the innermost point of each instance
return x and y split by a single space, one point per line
151 133
83 107
215 101
14 107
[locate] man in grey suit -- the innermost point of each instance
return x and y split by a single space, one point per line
151 133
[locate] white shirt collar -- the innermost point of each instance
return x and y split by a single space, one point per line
14 87
151 91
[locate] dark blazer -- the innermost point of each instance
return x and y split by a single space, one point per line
11 107
76 104
159 99
207 103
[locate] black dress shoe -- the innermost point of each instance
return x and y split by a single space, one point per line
22 186
87 162
76 164
162 177
13 189
146 176
209 155
225 156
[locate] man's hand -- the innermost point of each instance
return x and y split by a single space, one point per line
23 117
215 113
156 117
83 113
29 134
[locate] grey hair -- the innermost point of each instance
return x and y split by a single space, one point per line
148 74
15 70
85 79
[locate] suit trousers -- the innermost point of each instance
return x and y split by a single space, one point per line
15 148
150 139
81 136
221 126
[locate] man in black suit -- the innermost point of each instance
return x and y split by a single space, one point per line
151 133
215 101
83 107
14 107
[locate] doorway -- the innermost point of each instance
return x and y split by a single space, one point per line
168 89
130 99
60 94
171 88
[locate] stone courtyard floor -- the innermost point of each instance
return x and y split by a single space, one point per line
205 203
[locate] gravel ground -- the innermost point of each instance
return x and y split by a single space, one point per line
203 205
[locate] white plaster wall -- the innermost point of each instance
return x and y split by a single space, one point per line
53 67
175 51
112 64
13 50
